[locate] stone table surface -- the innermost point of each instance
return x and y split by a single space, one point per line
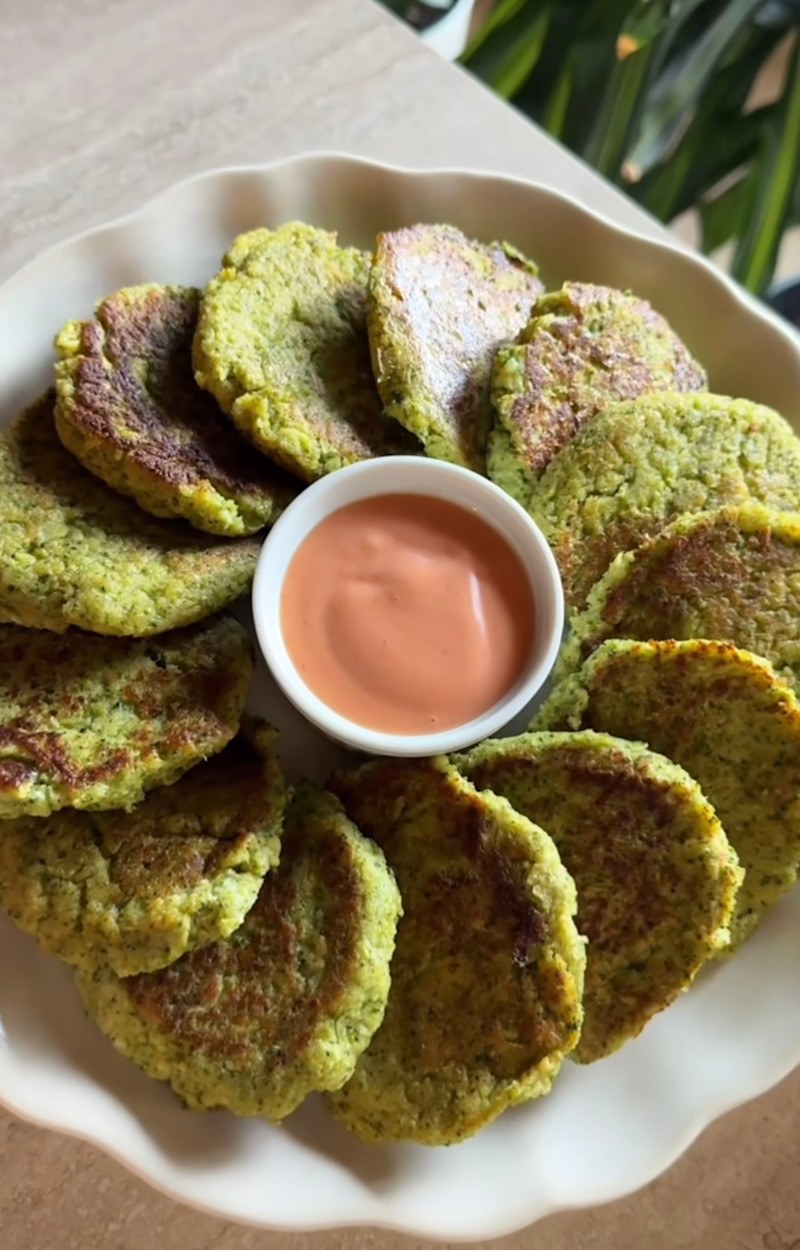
102 104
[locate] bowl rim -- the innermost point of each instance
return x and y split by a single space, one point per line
429 478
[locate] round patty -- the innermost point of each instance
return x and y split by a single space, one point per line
724 716
93 722
637 466
488 971
655 875
74 552
584 348
136 890
286 1004
281 343
440 305
732 574
130 410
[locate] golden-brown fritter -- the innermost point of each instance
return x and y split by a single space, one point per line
130 410
655 875
136 890
488 971
286 1004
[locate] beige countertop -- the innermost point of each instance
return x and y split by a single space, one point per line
102 104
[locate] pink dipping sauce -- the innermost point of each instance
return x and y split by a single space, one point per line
407 614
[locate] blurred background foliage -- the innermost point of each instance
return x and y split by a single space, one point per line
658 95
663 98
420 13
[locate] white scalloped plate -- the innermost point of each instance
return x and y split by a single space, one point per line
606 1129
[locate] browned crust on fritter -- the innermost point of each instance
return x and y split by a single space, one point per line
629 850
641 464
42 673
717 571
556 353
135 391
68 535
186 833
222 999
619 788
440 305
468 896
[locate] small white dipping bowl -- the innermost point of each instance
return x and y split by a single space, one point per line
410 475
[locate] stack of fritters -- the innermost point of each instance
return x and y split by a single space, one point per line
75 553
727 719
125 875
141 819
284 1006
654 872
130 410
488 973
136 889
640 465
584 348
732 573
674 521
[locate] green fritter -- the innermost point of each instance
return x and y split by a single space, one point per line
74 552
488 971
94 723
281 343
584 348
284 1006
135 891
638 466
439 307
732 574
130 410
725 717
655 874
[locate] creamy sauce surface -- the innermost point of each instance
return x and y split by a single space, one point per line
407 614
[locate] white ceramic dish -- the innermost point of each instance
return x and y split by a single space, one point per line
412 475
606 1129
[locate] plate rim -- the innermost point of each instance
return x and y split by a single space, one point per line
489 1232
537 1208
669 245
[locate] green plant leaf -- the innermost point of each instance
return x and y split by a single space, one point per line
646 31
619 108
507 58
535 95
587 63
675 94
672 78
602 19
498 17
725 216
689 20
647 20
772 185
703 159
663 192
555 116
794 214
721 136
419 14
